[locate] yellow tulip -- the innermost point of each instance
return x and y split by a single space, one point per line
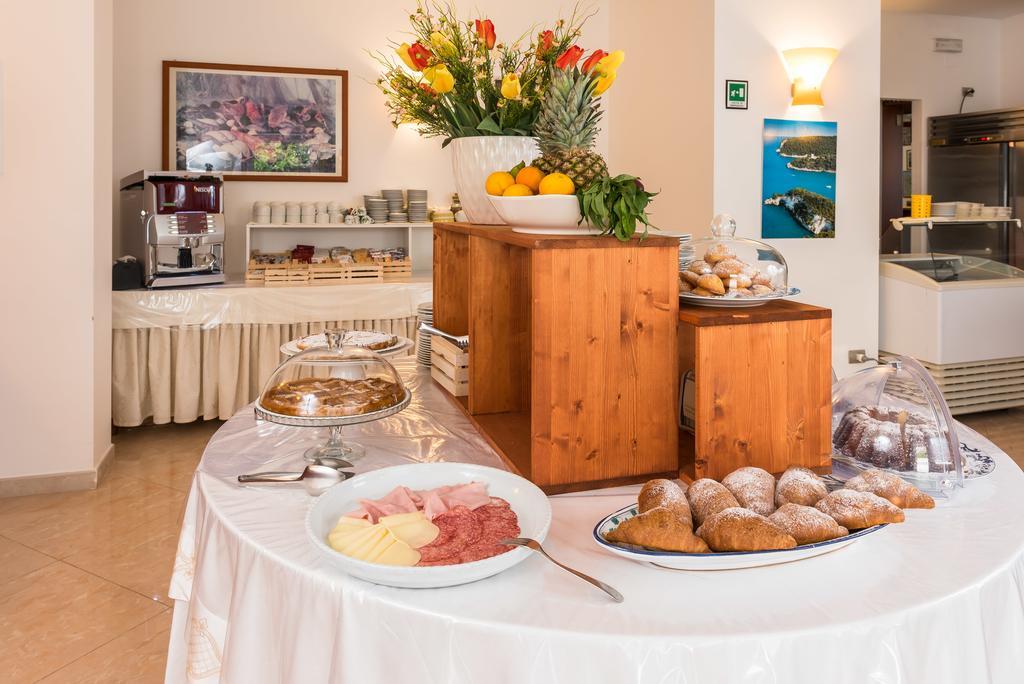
604 82
510 88
440 78
610 63
441 42
403 52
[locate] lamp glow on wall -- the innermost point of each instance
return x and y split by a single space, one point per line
807 68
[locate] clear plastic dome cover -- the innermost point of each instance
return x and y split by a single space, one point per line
727 267
332 384
895 418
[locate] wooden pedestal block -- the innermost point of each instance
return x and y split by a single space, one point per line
763 388
572 350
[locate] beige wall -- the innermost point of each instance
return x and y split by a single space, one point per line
664 119
1012 68
102 224
321 33
840 273
56 316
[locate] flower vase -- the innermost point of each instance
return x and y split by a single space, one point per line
476 157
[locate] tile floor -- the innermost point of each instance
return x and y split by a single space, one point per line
83 576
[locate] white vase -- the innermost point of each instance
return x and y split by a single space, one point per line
474 158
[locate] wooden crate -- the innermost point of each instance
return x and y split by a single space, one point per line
324 274
762 388
397 270
449 366
363 272
283 276
255 275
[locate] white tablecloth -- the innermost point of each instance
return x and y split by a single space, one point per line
937 599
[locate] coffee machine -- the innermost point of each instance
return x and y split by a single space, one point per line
173 223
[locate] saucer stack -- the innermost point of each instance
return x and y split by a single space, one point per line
377 208
424 314
261 212
396 206
417 205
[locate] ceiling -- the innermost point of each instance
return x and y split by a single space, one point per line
993 9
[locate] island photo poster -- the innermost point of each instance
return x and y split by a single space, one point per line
798 184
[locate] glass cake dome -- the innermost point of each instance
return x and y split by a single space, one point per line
894 417
728 270
332 387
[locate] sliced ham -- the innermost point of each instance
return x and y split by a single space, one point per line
433 502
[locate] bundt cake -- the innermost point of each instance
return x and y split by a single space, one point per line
889 438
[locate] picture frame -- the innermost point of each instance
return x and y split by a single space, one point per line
256 123
798 179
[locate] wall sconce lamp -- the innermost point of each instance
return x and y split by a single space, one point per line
807 68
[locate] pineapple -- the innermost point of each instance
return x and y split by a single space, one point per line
566 127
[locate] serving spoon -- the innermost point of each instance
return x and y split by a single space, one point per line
317 479
534 545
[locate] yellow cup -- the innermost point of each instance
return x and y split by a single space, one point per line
920 206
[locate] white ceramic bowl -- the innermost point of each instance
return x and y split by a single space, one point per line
557 214
526 499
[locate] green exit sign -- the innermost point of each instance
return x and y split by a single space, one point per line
736 94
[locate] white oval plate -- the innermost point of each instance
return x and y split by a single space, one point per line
530 504
291 348
735 302
725 560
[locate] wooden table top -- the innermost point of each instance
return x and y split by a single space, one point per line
508 236
777 310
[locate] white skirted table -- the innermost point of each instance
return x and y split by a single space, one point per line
184 354
939 598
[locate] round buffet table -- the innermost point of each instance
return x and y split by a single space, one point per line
939 598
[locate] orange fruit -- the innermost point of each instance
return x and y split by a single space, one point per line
557 184
498 182
530 176
517 190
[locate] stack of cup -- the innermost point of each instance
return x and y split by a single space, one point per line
292 212
308 212
260 212
321 213
334 212
277 212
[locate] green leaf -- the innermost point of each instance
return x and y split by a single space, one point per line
488 125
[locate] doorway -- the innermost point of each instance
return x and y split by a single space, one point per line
895 173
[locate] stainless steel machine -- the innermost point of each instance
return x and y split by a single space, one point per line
173 223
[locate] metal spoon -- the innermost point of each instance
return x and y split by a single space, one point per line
317 479
535 546
460 341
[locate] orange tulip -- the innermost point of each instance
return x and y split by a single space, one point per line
420 55
592 61
485 31
544 42
568 59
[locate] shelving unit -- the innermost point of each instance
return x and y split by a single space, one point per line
900 223
417 238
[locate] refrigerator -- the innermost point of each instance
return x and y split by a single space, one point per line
979 157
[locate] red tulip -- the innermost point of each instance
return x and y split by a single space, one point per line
420 55
592 60
544 43
485 31
427 89
568 59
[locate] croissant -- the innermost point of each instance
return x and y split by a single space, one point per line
891 487
857 510
754 488
666 494
800 486
737 529
805 524
660 529
708 497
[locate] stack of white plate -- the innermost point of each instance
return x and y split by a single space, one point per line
944 209
996 212
398 217
261 212
377 208
967 210
396 205
424 314
686 252
418 211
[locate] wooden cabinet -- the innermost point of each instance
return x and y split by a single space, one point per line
573 361
763 388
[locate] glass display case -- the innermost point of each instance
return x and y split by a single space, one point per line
332 387
944 267
894 417
724 270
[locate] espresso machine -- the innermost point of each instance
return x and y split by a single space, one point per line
172 222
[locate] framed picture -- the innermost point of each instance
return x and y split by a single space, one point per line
736 94
256 122
798 182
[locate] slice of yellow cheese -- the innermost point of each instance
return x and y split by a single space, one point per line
364 541
399 553
412 528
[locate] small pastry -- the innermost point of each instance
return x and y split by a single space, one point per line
700 267
806 525
753 487
857 510
718 252
727 267
742 292
761 279
660 529
737 529
891 487
800 486
690 277
685 286
668 494
712 283
702 292
761 290
707 497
